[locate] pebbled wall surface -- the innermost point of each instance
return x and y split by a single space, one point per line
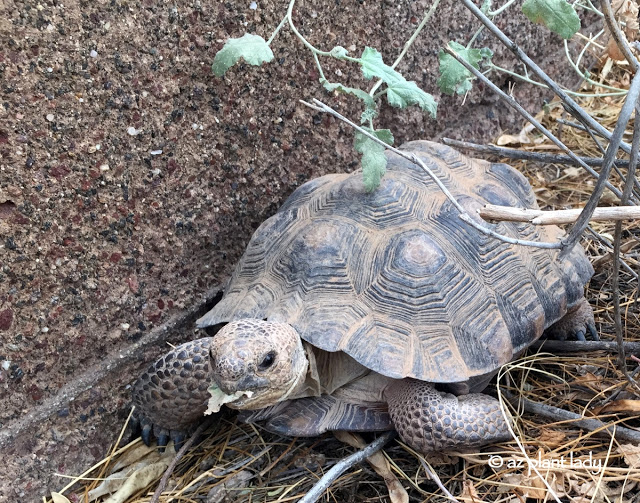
131 180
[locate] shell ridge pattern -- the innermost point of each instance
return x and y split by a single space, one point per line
396 279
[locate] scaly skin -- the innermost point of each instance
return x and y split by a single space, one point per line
171 396
430 421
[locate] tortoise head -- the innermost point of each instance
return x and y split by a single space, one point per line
264 359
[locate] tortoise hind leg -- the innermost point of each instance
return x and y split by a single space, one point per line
171 396
429 420
576 324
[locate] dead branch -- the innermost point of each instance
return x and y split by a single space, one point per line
617 34
526 155
553 346
572 107
617 240
515 105
323 484
592 424
556 217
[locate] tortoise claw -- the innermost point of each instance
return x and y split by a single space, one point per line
163 440
134 424
146 434
162 436
178 439
579 335
593 333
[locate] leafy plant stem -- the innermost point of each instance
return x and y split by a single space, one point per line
475 35
589 7
566 91
277 30
501 9
409 42
590 41
289 18
583 75
320 70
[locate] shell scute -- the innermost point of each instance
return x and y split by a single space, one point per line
397 280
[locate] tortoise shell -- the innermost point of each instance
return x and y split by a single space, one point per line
397 280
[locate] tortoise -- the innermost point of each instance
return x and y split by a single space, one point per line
369 311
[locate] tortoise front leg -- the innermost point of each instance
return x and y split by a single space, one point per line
429 420
172 395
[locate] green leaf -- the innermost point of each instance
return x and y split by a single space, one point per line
373 66
369 114
374 162
400 92
403 94
557 15
455 78
252 48
359 93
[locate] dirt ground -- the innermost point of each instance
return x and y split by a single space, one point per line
131 180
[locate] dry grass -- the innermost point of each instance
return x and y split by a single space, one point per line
247 464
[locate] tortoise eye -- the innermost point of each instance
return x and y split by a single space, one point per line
267 361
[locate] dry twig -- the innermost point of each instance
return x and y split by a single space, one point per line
572 107
174 462
617 240
592 424
541 157
556 217
325 482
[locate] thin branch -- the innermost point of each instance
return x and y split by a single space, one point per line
555 346
617 240
174 462
328 478
464 216
513 103
618 36
540 157
616 138
592 424
277 30
409 42
434 478
575 109
556 217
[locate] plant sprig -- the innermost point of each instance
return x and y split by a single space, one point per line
557 15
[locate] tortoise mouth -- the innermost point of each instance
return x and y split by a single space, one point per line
248 383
